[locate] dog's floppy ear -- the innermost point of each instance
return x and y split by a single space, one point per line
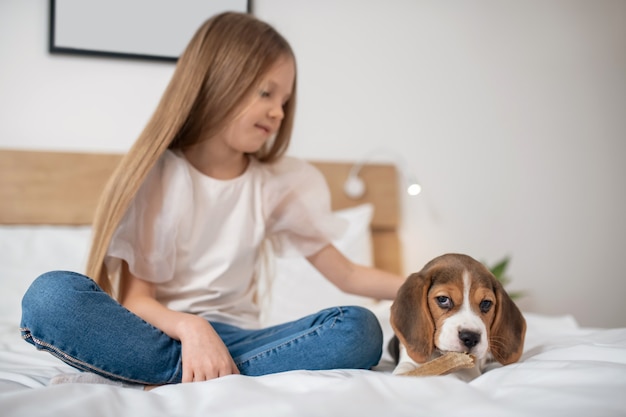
411 319
507 330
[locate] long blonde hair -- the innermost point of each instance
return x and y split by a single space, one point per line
222 64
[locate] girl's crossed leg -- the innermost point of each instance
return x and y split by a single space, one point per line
68 315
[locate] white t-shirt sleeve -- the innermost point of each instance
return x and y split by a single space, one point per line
146 236
300 221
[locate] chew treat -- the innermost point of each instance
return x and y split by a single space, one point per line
445 364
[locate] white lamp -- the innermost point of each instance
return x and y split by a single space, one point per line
354 187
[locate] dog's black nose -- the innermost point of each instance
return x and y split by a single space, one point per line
469 338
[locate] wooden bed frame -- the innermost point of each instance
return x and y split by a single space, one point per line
62 188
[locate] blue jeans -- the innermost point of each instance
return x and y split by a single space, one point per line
68 315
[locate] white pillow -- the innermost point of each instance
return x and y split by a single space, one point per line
298 289
28 251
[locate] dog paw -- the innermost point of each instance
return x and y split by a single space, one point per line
404 367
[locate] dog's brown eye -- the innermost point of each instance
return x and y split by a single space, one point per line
444 302
485 305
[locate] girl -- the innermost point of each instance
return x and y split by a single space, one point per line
180 228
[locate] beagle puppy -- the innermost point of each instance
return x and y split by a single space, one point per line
455 304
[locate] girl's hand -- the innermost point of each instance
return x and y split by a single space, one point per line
204 354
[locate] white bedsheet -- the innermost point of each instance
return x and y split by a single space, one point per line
565 371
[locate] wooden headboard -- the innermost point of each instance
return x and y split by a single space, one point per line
62 188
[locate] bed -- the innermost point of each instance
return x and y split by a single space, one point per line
47 201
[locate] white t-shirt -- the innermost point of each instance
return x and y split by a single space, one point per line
199 239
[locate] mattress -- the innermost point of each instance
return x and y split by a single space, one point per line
566 369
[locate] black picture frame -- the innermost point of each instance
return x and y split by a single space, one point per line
128 28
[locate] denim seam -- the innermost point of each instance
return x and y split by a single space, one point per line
178 371
302 336
70 360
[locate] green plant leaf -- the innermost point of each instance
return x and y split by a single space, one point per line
499 268
499 271
515 295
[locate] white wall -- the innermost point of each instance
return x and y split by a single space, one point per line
511 113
